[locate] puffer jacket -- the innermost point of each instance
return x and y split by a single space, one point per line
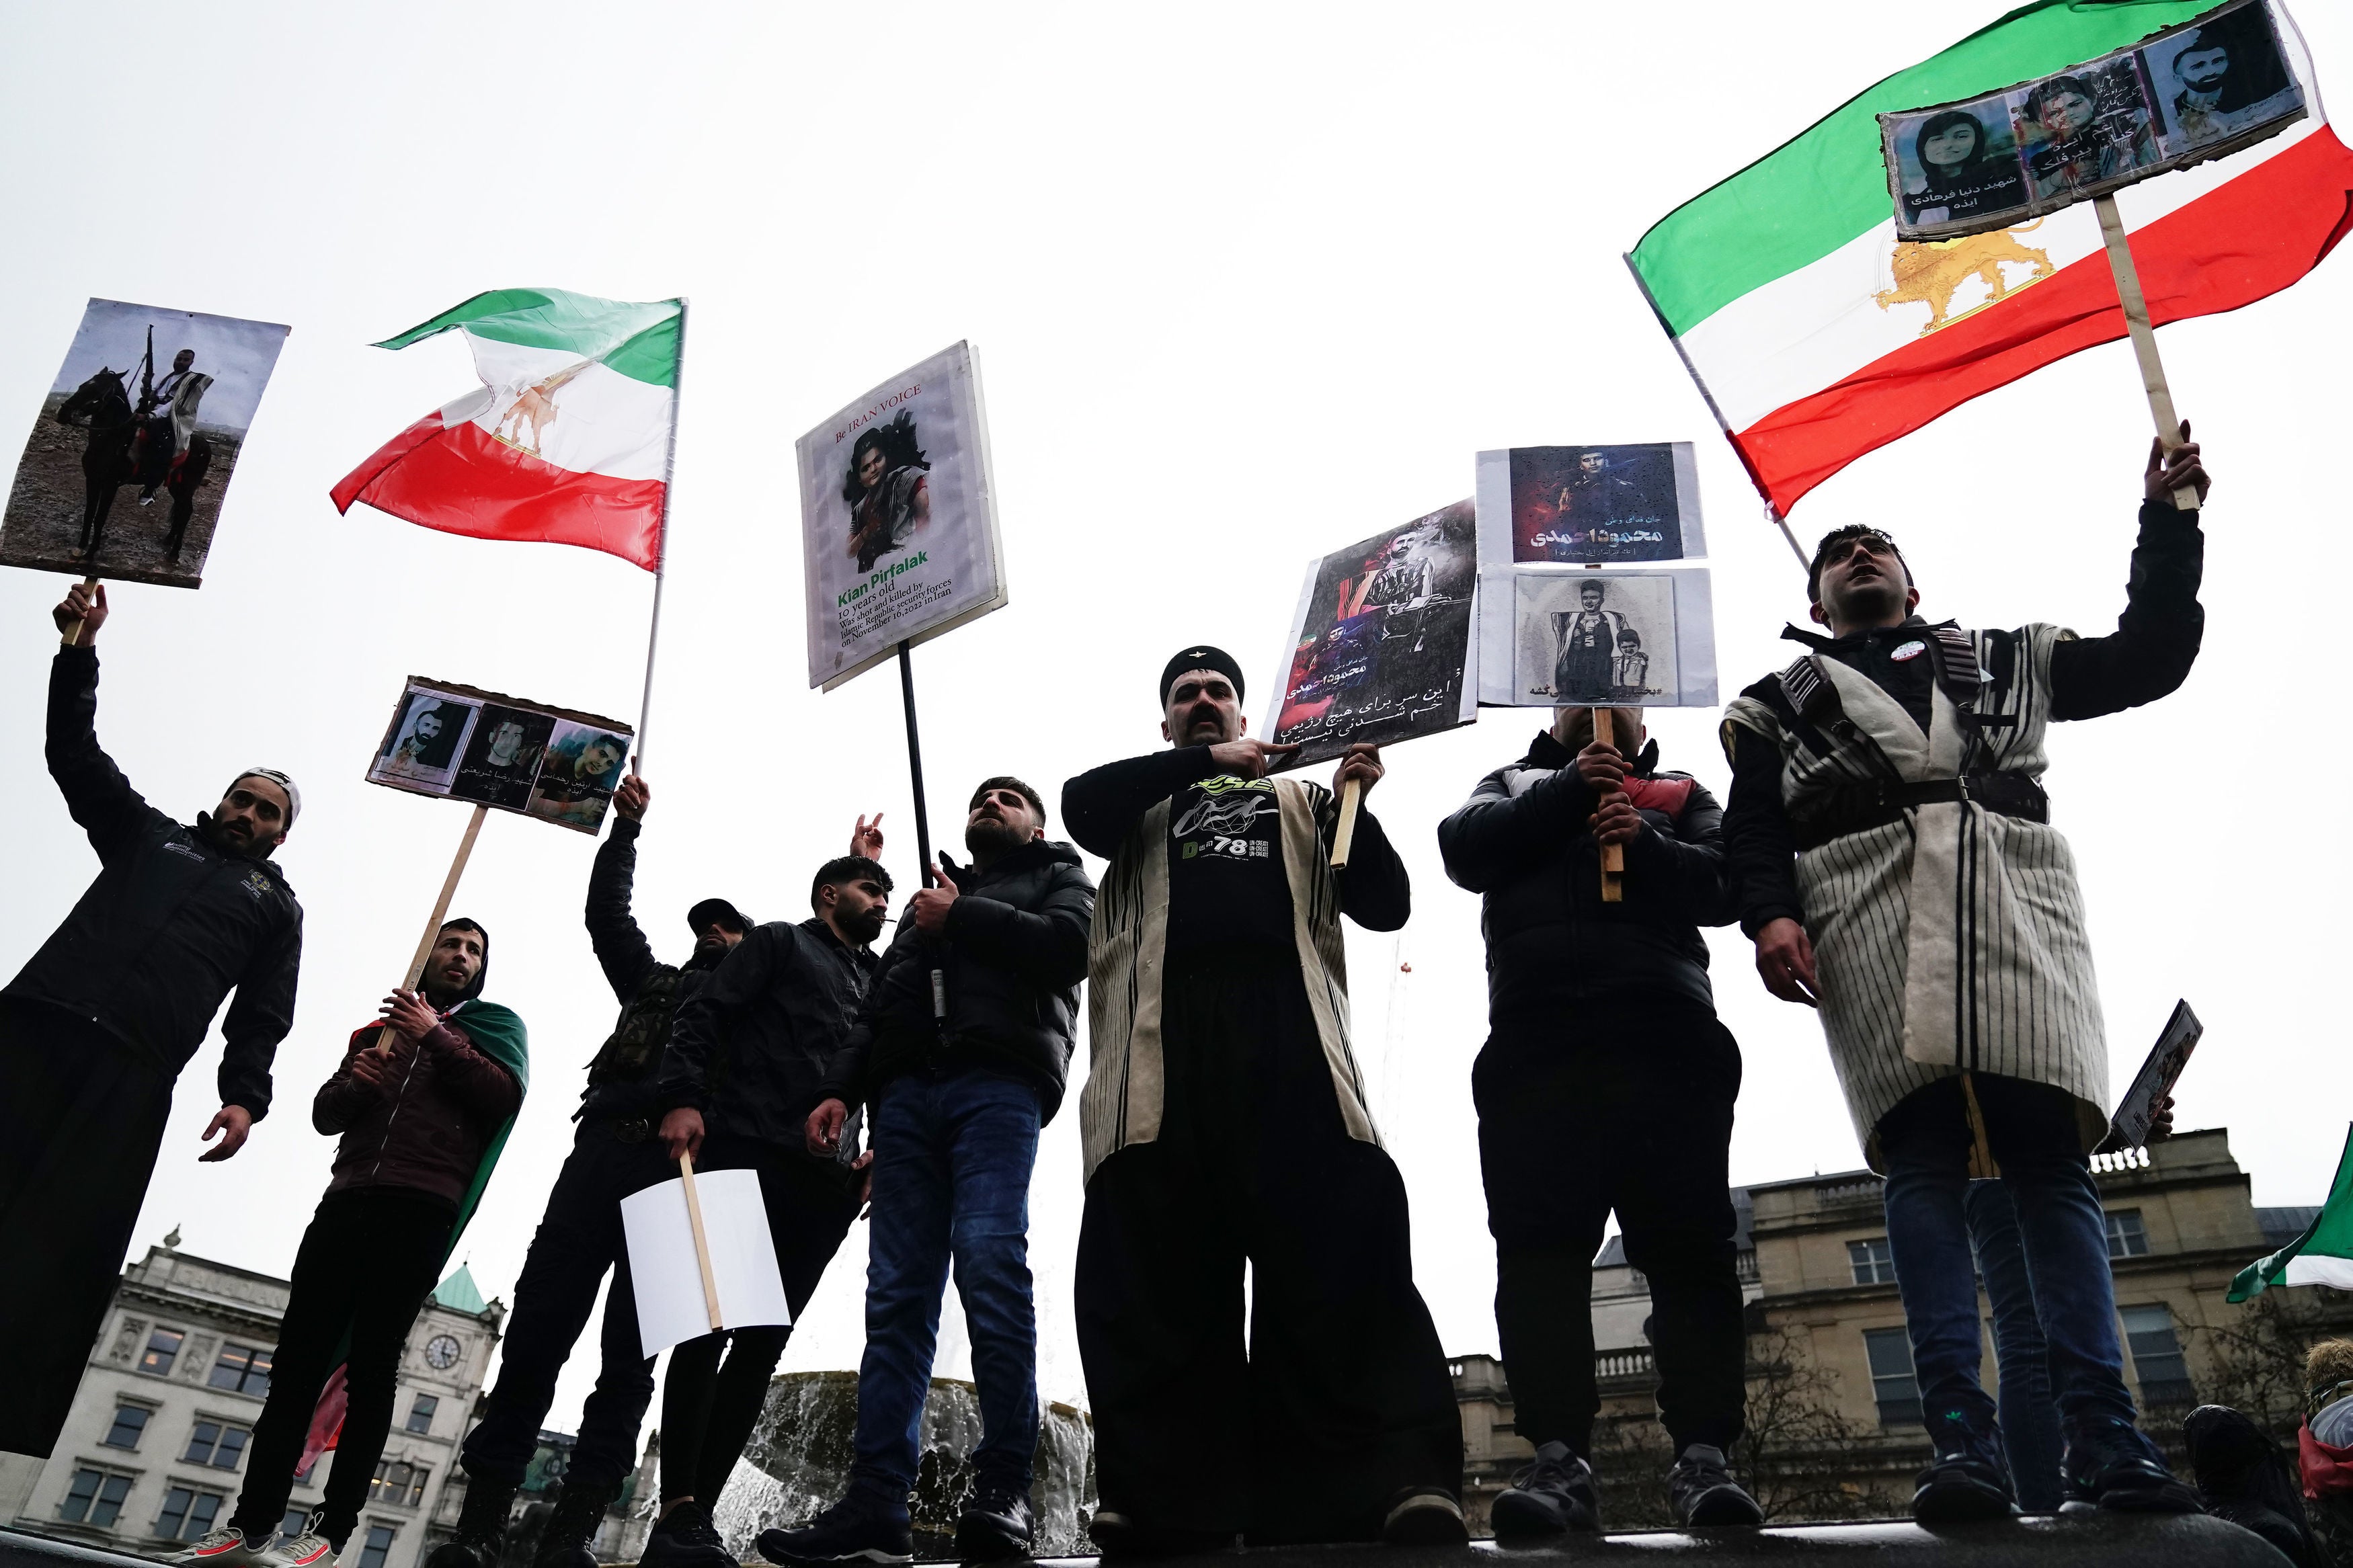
1012 957
1521 840
428 1132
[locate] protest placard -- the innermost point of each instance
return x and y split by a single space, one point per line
462 743
150 401
677 1297
2128 1127
1380 644
1589 505
1611 637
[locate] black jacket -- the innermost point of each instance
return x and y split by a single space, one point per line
1012 954
1521 841
171 924
624 1078
748 1049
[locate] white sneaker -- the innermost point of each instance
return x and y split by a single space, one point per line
308 1550
225 1548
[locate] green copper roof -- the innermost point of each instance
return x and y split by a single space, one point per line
459 1294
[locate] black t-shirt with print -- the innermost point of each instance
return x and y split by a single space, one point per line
1225 881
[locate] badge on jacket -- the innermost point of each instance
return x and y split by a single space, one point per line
1912 649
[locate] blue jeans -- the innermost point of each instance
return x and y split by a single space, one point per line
2030 1128
2030 1418
953 1153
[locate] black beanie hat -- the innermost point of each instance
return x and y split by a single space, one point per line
1202 658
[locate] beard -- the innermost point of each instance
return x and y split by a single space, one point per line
865 928
990 838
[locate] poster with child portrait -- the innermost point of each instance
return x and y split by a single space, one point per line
1624 638
461 743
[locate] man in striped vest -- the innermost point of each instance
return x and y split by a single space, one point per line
1896 865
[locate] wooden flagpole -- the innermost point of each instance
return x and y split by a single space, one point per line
1613 856
440 913
1343 838
73 632
701 1242
2144 336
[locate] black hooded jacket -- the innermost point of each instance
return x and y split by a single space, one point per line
1012 954
172 924
1521 841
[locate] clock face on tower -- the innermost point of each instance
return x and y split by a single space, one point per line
441 1352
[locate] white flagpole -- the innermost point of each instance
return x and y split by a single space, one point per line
661 549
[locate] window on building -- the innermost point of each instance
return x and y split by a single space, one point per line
398 1484
1893 1382
378 1546
162 1350
2126 1236
242 1369
1874 1263
2157 1357
297 1520
420 1414
215 1443
130 1421
95 1498
187 1513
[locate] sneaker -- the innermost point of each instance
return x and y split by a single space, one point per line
1967 1477
683 1538
1551 1497
995 1524
307 1549
1425 1516
227 1547
2245 1478
1702 1491
855 1529
2111 1464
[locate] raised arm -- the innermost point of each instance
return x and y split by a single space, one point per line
1102 804
1047 945
622 950
2157 637
100 798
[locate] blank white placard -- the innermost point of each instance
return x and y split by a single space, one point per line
670 1282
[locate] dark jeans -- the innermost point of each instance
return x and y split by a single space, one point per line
953 1154
2030 1418
365 1267
2031 1131
81 1118
579 1238
708 1408
1340 1398
1622 1110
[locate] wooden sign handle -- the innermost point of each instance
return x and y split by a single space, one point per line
2144 336
440 913
1343 838
1613 856
701 1242
73 632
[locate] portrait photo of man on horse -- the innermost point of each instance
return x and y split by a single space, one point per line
157 400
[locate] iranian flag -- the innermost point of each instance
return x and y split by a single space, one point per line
1816 336
2322 1255
567 440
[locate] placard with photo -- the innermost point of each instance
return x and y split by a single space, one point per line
1620 639
1589 505
461 743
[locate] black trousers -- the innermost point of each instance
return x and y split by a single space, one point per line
710 1406
81 1118
365 1267
579 1238
1624 1110
1341 1397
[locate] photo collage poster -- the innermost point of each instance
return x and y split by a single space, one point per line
1566 614
1380 647
897 518
2214 84
139 434
493 750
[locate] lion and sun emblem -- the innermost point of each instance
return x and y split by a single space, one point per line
1932 272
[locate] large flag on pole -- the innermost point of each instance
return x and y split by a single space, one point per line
1816 336
2322 1255
567 440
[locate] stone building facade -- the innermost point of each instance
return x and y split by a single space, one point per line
1827 1351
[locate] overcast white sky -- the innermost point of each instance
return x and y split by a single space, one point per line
1248 283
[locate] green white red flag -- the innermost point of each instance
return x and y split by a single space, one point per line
567 440
1816 336
2322 1255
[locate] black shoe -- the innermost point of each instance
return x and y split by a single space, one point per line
1702 1491
1425 1516
2111 1464
565 1542
1967 1477
855 1529
1551 1497
997 1524
683 1538
2245 1478
479 1538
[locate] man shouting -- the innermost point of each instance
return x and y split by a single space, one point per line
95 1029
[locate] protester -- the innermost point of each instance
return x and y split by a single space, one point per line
1606 1083
95 1028
423 1101
1224 1123
2324 1448
613 1155
747 1055
962 1050
1886 794
2244 1476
